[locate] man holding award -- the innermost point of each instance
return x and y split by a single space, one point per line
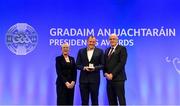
90 61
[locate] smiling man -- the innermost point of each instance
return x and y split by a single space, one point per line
90 61
114 71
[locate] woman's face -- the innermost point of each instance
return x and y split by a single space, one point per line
65 49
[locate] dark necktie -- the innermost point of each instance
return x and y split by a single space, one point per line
110 52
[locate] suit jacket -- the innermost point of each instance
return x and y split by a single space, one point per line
116 63
98 61
65 71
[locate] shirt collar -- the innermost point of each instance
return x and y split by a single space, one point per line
91 49
114 46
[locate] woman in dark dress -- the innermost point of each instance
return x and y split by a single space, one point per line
66 77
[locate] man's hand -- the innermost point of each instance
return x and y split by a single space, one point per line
92 69
72 84
108 76
86 68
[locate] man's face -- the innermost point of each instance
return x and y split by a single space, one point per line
91 42
113 40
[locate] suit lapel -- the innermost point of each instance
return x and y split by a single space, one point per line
86 56
63 59
117 47
113 52
106 53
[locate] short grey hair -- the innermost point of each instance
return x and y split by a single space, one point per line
64 44
113 34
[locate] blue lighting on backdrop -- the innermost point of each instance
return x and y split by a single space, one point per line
153 63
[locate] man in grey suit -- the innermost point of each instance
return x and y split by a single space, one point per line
90 61
114 71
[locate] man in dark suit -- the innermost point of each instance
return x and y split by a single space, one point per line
90 61
114 71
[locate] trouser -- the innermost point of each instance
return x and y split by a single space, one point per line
87 89
116 93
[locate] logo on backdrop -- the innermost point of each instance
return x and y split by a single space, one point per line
175 61
21 39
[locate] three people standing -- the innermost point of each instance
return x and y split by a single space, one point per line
90 61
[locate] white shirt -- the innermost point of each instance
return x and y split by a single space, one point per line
90 54
67 59
113 49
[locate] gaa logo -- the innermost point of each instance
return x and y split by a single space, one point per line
21 39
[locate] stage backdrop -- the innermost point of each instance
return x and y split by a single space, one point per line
31 32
